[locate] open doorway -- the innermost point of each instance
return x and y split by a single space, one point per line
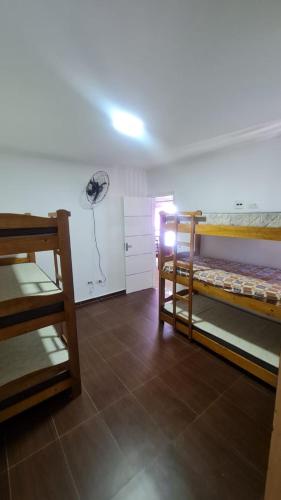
164 203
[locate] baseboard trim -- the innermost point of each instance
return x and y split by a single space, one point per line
86 302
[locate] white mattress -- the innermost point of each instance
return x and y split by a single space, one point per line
21 280
257 219
30 352
256 336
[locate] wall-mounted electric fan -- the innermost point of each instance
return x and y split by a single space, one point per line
97 188
94 192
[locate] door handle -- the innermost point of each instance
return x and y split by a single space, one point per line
127 246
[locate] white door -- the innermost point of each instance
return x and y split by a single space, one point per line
139 243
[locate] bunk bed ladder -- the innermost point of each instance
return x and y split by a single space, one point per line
160 265
175 260
177 296
190 275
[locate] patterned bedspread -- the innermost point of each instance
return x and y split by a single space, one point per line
263 283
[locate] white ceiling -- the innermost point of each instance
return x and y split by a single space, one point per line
191 69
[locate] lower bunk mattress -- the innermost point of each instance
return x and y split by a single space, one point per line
255 338
263 283
25 354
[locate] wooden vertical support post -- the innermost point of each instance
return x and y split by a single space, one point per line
175 259
273 479
69 306
161 262
190 275
56 253
197 246
56 268
30 256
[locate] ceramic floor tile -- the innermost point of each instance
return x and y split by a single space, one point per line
96 462
137 435
171 415
44 476
28 432
68 413
190 388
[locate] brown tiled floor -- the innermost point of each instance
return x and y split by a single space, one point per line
159 419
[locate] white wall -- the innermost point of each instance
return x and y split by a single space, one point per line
40 186
250 173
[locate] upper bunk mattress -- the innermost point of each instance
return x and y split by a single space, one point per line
255 219
260 282
21 280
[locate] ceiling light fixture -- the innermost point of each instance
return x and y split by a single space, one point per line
127 124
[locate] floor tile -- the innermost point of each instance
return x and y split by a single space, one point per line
3 461
151 329
94 309
107 345
103 386
97 464
89 357
171 415
243 435
68 413
168 478
111 319
44 476
131 371
155 354
128 335
258 404
227 475
28 432
189 388
4 486
88 326
137 436
212 370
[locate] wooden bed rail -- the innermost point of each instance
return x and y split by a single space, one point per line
242 232
24 233
25 221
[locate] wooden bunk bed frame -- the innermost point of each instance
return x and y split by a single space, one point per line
27 234
189 223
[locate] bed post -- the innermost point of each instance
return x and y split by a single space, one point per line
190 274
197 246
31 255
160 265
175 262
69 306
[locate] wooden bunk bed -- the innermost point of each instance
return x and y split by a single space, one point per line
205 308
38 338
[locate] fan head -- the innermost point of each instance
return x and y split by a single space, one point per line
97 188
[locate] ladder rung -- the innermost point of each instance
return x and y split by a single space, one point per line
182 297
180 317
183 243
182 263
